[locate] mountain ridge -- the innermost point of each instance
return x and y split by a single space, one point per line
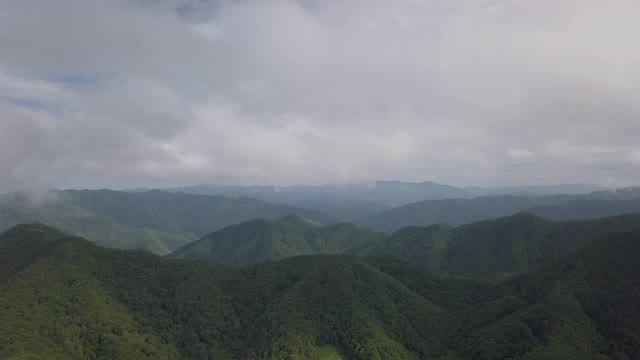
82 301
516 243
462 211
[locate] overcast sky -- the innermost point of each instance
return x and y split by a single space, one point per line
124 93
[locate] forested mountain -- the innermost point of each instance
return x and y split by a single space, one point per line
64 298
262 240
386 193
181 212
536 190
587 209
581 306
511 244
463 211
100 229
155 221
347 209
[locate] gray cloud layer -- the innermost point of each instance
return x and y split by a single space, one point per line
122 93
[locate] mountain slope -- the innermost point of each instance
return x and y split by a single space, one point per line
344 207
180 212
387 193
581 306
100 229
78 301
511 244
54 307
604 278
587 209
464 211
70 299
262 240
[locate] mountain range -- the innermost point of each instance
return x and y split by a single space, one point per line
375 193
262 240
62 297
463 211
162 221
156 221
512 244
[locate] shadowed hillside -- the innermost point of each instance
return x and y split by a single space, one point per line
464 211
511 244
262 240
64 298
100 229
180 212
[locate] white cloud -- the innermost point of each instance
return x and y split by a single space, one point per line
520 153
282 91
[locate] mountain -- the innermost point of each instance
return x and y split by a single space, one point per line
100 229
263 240
382 193
517 243
345 208
156 221
581 306
463 211
536 190
62 297
587 209
180 212
628 193
453 211
328 199
388 193
71 299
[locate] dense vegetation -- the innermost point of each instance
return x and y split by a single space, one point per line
262 240
161 222
180 212
511 244
156 221
587 209
100 229
64 298
386 193
506 245
464 211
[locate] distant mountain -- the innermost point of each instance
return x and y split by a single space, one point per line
351 202
181 212
64 298
263 240
100 229
345 208
463 211
629 193
587 209
156 221
384 193
453 211
536 190
395 193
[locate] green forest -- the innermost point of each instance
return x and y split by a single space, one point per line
506 245
62 297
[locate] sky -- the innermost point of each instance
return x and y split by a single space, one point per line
127 93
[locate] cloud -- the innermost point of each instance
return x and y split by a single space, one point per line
97 93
